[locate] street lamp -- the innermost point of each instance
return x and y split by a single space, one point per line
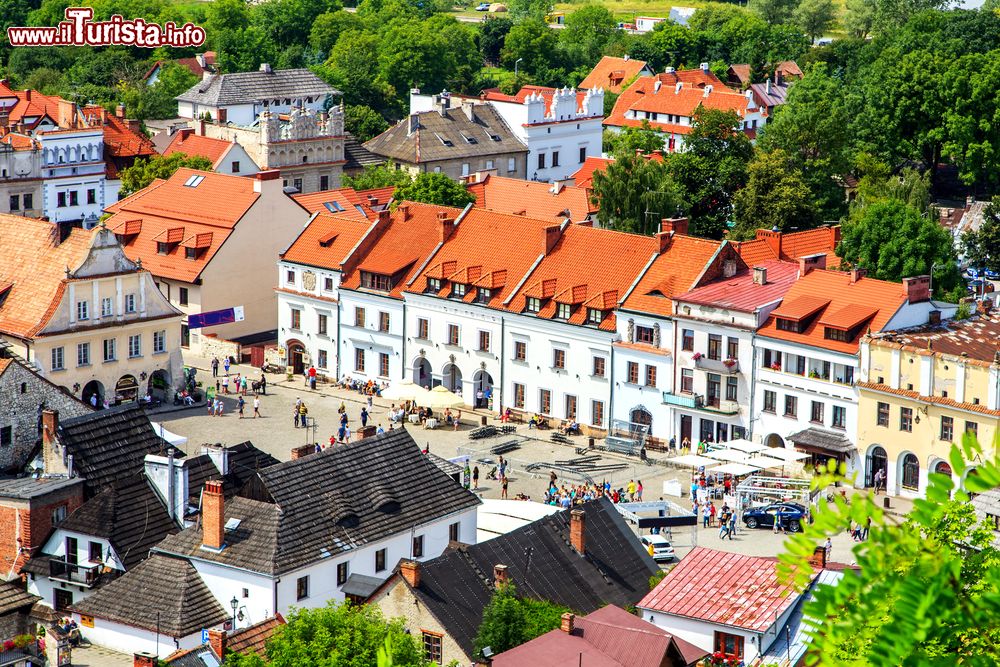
516 62
234 603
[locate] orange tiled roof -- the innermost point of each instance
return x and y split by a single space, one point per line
674 272
119 140
532 199
187 142
769 245
740 292
19 142
495 95
642 95
801 306
327 240
253 638
611 73
214 207
884 298
30 104
584 176
939 400
34 266
348 198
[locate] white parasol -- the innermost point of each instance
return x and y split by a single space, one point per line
405 390
440 398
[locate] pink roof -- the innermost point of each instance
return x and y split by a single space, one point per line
740 293
723 588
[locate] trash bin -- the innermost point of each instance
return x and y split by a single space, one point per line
482 421
885 503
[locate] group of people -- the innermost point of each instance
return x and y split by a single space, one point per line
565 496
365 387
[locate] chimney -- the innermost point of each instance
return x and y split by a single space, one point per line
810 262
304 450
934 318
499 575
704 67
372 201
818 558
552 235
133 125
219 454
657 86
678 87
772 237
410 571
767 86
567 623
221 116
383 216
918 289
120 111
27 94
664 239
266 68
708 90
201 62
577 534
676 225
144 660
271 176
200 127
858 274
446 226
468 107
759 275
217 640
4 118
404 210
50 423
213 516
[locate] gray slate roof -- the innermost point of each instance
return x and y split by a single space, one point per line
987 507
161 592
833 441
429 142
357 156
331 502
458 585
25 488
13 597
256 87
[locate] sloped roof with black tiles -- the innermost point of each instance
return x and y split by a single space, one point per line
162 594
13 597
542 565
249 87
245 461
110 445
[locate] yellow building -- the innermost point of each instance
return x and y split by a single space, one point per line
84 315
920 390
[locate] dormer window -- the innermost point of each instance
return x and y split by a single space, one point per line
788 325
433 285
376 281
533 304
563 311
594 316
162 248
484 295
190 253
458 290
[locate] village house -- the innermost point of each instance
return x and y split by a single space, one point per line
382 500
210 241
199 65
221 644
668 101
612 74
740 76
583 559
227 157
922 386
555 202
124 143
20 173
82 313
453 139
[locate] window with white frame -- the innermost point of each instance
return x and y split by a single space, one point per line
107 307
83 354
83 310
135 346
110 349
58 359
130 303
159 341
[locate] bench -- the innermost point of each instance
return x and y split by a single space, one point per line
505 447
483 432
560 438
507 429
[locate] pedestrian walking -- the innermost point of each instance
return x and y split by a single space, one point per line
711 513
225 384
256 407
829 549
225 365
370 402
475 477
732 525
879 480
295 412
864 531
347 433
239 405
503 488
706 515
303 415
631 490
215 367
219 406
243 385
263 384
312 378
364 417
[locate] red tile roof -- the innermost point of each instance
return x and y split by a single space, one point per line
609 637
348 198
611 73
120 140
30 104
252 639
584 176
977 339
725 589
19 142
187 142
327 240
845 301
213 207
495 95
532 199
191 63
33 271
674 272
643 96
741 293
791 246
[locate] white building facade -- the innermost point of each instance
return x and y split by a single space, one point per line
643 372
74 187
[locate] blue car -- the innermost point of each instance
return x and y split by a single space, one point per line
992 275
793 515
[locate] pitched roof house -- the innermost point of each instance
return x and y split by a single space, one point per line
612 73
583 559
199 65
227 157
556 201
222 643
771 244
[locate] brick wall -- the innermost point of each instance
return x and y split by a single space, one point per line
31 522
22 393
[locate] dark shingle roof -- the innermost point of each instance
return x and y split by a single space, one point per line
110 445
246 640
13 597
25 488
161 592
457 585
250 87
357 156
447 137
130 515
245 461
331 502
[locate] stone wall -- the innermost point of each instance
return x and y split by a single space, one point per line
398 602
13 624
212 346
21 394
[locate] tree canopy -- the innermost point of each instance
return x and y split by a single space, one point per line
635 192
377 176
435 188
775 196
146 170
510 621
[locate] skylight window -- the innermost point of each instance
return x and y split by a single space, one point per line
446 142
232 524
333 206
469 140
194 181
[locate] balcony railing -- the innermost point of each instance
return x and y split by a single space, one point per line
73 573
682 400
722 367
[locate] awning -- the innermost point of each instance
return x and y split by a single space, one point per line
821 441
734 469
360 585
172 438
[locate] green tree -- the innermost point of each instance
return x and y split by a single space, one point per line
288 22
775 196
353 68
927 589
435 188
377 176
893 240
337 635
588 32
328 27
521 10
635 193
627 141
815 17
363 122
774 11
532 42
859 16
510 621
981 247
974 146
144 171
492 33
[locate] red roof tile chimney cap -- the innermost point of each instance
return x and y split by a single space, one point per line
268 175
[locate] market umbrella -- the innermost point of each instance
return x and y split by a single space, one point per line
786 455
734 469
692 461
746 446
768 462
405 390
730 455
440 398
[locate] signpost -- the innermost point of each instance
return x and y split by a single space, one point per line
214 318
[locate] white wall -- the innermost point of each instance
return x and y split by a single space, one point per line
324 302
368 337
628 396
127 639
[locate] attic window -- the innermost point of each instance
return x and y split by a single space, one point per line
458 290
495 137
533 304
468 139
563 311
433 284
376 281
788 325
483 295
190 253
333 206
594 316
194 181
446 142
162 248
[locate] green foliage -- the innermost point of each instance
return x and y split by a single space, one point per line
635 193
341 635
859 16
435 188
928 588
363 122
773 11
775 196
377 176
510 621
814 17
328 27
588 32
492 34
656 578
144 171
981 247
533 42
631 139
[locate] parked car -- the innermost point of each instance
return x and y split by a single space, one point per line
662 550
792 516
992 275
483 7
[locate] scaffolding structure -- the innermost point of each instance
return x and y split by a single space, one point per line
762 490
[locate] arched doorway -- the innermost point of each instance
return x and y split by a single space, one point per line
876 460
451 378
159 385
93 394
774 440
127 389
942 468
910 472
422 372
296 356
640 421
482 382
